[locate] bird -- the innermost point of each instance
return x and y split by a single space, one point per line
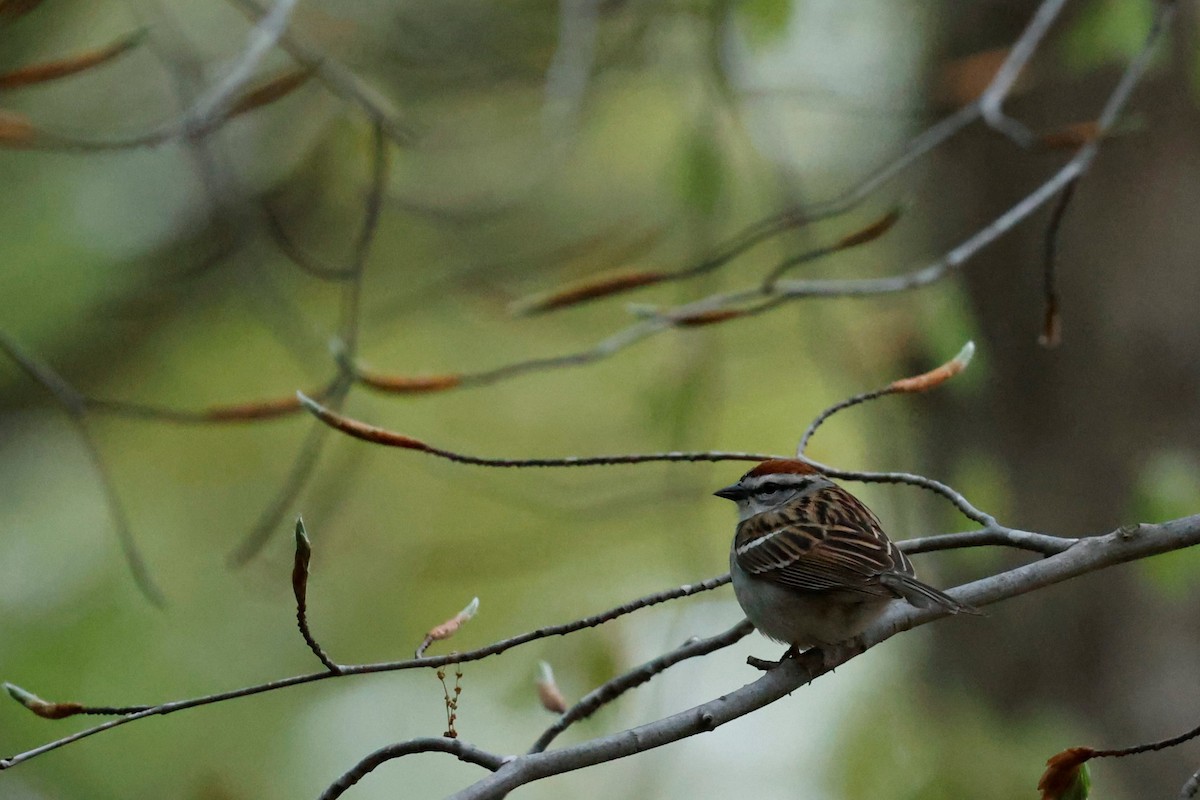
810 564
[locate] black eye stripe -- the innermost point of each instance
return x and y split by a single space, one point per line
773 487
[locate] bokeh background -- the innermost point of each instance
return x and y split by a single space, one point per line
551 144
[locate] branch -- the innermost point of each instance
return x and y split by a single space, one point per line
992 100
338 79
996 535
382 436
74 405
1085 556
611 690
495 648
1043 543
1051 321
918 383
300 589
213 106
465 752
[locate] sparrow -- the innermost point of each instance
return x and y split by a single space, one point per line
811 565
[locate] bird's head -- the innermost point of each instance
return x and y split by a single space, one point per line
770 485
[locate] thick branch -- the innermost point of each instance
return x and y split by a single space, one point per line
1085 556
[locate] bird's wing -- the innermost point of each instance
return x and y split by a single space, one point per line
826 541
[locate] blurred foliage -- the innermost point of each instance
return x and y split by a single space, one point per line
1168 488
892 750
146 275
1107 33
765 21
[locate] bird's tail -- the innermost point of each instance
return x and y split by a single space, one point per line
922 595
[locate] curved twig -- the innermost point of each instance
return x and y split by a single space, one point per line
464 751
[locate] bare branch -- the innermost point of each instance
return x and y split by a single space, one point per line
75 405
294 482
610 691
750 302
1085 556
215 103
993 535
495 648
376 435
865 235
608 285
992 100
300 589
465 752
918 383
248 411
341 81
1062 769
344 351
382 436
48 710
1051 322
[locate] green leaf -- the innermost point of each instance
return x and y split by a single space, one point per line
1082 788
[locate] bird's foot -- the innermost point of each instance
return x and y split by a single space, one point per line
765 665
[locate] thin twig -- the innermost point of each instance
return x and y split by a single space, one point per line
992 99
917 383
247 411
75 407
348 327
300 257
611 690
1051 322
215 103
864 235
608 285
996 535
300 589
464 751
340 80
297 478
48 710
1018 539
493 649
1149 747
382 436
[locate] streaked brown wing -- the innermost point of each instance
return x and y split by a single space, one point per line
824 541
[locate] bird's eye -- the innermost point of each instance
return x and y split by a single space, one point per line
768 489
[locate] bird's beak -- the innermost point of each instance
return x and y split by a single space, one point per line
731 492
